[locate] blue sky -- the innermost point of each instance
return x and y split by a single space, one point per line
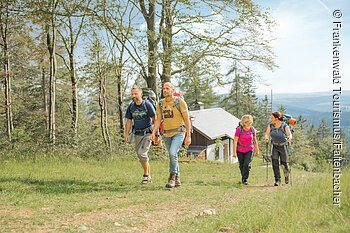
303 45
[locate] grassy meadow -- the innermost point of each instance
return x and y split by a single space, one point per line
75 195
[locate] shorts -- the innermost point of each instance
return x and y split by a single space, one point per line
142 145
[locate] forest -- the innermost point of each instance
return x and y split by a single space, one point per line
67 68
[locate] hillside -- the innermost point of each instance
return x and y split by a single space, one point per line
320 102
71 195
315 107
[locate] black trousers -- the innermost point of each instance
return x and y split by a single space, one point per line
244 160
280 153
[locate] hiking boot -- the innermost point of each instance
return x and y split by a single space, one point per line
277 183
177 181
171 181
286 174
146 179
286 179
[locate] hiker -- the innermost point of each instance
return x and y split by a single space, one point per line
174 114
244 145
280 135
140 116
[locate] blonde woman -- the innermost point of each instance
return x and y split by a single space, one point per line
244 144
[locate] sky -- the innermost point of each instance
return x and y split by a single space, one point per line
304 45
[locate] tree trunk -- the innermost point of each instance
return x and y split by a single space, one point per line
51 40
102 100
103 109
102 118
119 90
106 113
167 41
120 98
43 87
237 93
151 79
7 74
8 101
74 93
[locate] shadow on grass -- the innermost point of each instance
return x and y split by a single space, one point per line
70 186
230 184
225 184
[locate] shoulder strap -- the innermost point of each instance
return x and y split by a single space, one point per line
132 106
253 130
283 128
177 104
161 107
161 103
145 106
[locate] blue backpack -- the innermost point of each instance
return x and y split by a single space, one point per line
278 135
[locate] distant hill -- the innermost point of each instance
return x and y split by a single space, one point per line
314 107
311 102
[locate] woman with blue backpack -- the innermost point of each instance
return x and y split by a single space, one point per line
280 135
244 144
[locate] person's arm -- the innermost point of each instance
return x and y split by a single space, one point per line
127 129
186 119
158 119
235 142
267 134
256 146
128 123
154 119
289 134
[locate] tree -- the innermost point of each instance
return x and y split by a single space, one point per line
7 27
119 18
50 29
199 89
242 98
238 40
96 72
282 109
70 31
323 129
152 41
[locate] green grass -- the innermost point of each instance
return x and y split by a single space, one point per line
75 195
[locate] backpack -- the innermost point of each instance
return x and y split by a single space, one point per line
251 131
289 120
148 94
177 105
278 138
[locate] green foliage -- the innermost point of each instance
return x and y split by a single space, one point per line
232 32
199 87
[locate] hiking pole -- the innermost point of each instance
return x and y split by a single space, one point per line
267 161
290 167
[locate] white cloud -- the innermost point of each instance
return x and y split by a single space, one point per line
304 48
